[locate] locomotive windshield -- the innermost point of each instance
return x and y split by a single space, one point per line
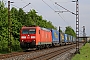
28 31
25 31
32 31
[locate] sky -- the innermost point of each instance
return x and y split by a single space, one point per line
47 9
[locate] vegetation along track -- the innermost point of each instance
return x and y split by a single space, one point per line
52 54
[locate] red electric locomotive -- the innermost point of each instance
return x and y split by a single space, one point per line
35 37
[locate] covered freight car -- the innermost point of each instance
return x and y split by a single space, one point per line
55 37
65 39
74 40
62 40
71 39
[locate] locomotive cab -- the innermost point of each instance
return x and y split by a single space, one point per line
28 37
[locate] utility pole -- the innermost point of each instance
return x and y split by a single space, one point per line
84 35
9 29
77 27
83 31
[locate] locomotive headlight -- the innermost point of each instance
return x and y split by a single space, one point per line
22 40
23 37
33 37
33 40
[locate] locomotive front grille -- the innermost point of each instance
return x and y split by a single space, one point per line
28 44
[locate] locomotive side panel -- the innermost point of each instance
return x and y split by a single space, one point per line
45 36
38 37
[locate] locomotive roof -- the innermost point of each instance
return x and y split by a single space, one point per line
27 27
45 29
35 27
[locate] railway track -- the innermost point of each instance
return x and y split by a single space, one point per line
52 54
37 54
3 56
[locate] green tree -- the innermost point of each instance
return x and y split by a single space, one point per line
21 16
15 29
15 24
3 27
70 31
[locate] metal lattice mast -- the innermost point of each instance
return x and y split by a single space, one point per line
84 34
83 31
77 27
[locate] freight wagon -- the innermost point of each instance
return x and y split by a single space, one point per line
71 39
62 40
65 39
55 37
74 40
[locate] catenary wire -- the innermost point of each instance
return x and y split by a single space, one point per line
54 11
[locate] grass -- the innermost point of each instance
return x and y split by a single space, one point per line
84 53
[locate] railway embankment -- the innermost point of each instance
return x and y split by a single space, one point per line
84 53
67 55
56 53
44 54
